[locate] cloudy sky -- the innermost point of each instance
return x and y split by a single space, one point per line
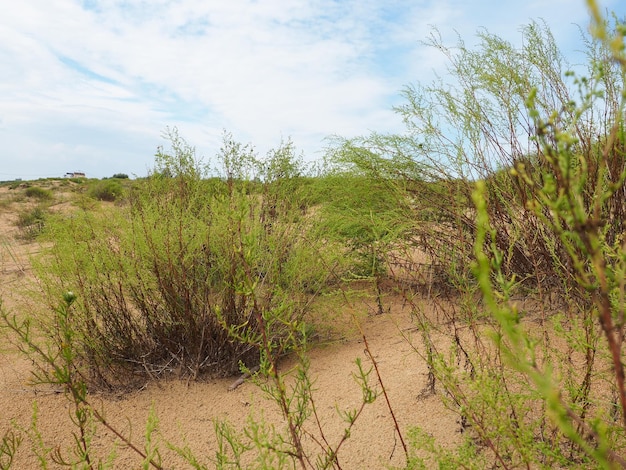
90 85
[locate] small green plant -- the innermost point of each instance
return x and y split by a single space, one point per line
274 447
58 364
5 203
466 456
11 441
294 394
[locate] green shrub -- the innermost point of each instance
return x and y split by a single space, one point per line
106 190
36 192
534 227
31 222
161 282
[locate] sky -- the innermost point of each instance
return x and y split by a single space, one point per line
92 85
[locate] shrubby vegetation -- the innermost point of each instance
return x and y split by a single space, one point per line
106 190
516 175
31 221
36 192
164 283
510 182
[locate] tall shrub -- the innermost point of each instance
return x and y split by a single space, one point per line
529 353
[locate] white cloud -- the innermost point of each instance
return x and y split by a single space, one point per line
93 83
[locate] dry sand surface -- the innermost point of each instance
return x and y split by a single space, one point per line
186 411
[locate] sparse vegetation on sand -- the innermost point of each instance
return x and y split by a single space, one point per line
497 219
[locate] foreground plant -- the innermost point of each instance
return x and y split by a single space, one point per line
11 441
535 228
294 394
58 365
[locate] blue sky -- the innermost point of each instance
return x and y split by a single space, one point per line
91 85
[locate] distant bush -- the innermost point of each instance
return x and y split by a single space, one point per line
120 176
106 190
31 222
36 192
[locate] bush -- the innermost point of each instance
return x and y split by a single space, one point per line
161 283
106 190
31 222
36 192
536 226
120 176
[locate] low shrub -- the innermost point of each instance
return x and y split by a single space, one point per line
106 190
31 222
36 192
162 283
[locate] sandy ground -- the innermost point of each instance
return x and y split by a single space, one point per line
187 411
